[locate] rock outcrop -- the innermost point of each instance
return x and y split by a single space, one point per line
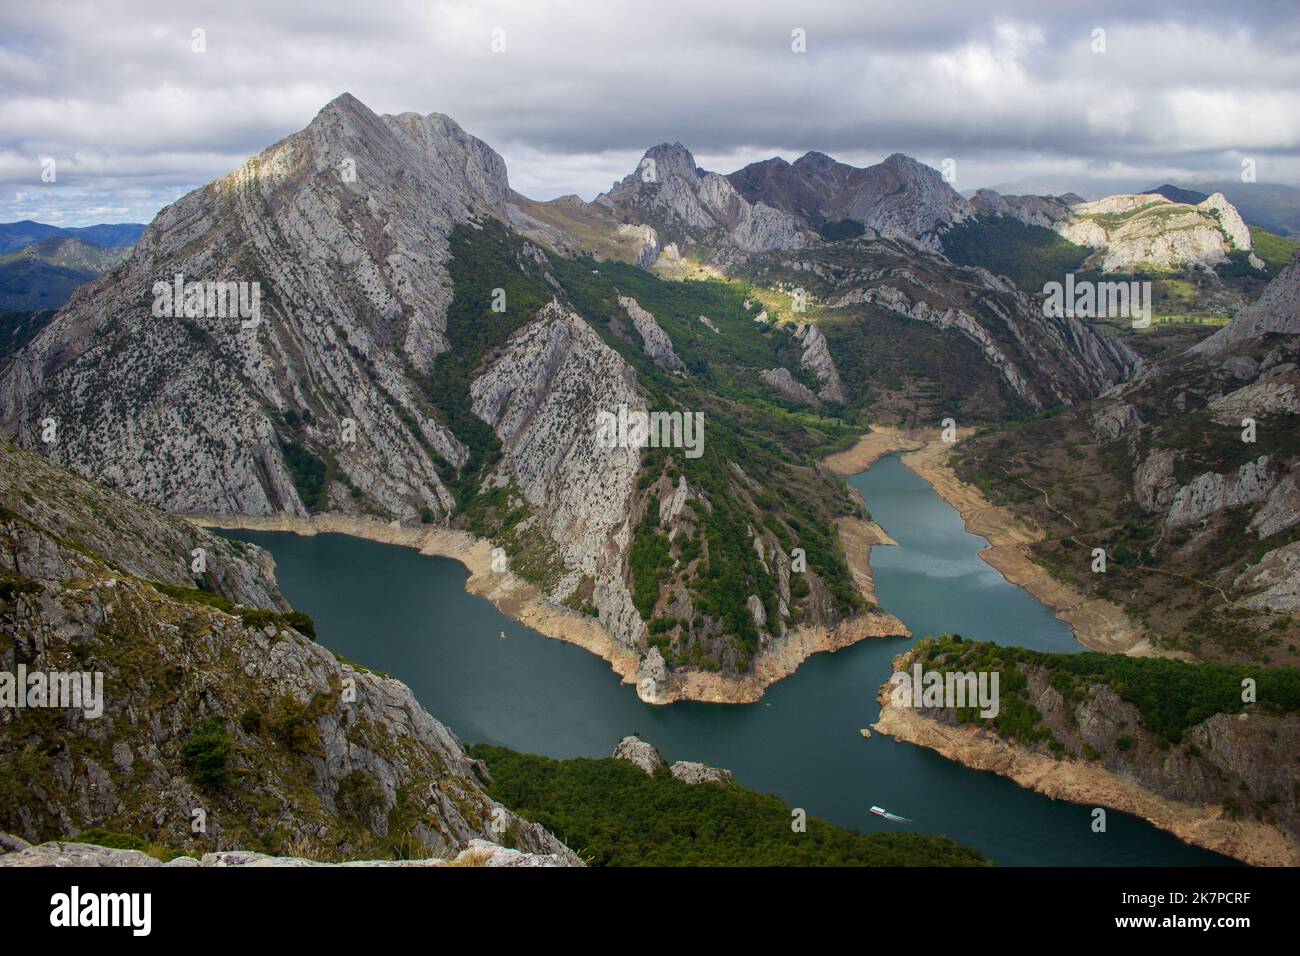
655 340
1275 580
1276 310
211 712
637 751
816 358
785 383
1211 493
542 397
690 772
65 853
1149 232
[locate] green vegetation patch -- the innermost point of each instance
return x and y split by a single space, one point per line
614 814
1171 696
1030 255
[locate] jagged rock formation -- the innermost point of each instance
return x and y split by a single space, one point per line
65 853
1211 493
1152 233
1276 310
647 757
638 752
1114 420
898 198
209 711
785 383
345 228
542 398
690 772
656 342
817 359
1274 581
687 205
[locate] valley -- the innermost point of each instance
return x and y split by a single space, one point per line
897 451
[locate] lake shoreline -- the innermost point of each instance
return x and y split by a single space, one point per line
523 602
1207 827
1096 624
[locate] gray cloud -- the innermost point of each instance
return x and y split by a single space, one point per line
113 92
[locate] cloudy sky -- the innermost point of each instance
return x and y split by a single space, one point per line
114 92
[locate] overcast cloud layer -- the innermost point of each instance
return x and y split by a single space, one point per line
134 118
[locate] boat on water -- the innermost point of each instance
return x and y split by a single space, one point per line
882 812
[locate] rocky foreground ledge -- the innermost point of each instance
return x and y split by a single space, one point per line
59 853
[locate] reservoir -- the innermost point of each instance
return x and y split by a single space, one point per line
395 610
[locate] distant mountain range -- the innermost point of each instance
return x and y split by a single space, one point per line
1271 206
16 235
41 265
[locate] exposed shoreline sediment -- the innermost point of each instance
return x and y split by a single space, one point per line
1097 624
1091 785
524 602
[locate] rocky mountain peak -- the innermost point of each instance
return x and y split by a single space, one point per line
344 230
814 159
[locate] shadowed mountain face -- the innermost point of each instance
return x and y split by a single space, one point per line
44 275
16 235
1189 197
897 198
370 321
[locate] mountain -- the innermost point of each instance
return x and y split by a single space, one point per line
688 206
44 274
16 235
1153 234
1186 476
429 347
1272 206
898 198
1188 197
214 702
1145 232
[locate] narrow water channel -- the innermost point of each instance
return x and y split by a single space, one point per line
395 610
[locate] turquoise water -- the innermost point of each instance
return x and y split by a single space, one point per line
395 610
